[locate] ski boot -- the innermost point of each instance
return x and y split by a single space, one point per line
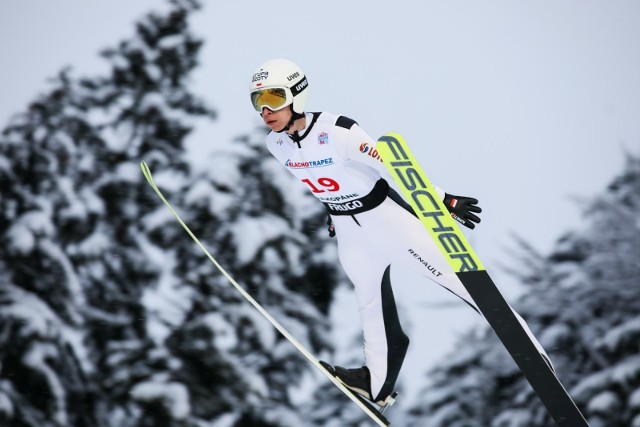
358 380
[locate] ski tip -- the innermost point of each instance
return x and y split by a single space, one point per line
395 135
146 171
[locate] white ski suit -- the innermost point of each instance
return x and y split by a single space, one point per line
374 226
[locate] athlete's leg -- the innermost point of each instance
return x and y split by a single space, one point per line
406 241
385 344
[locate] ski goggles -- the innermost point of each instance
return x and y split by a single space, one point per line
274 98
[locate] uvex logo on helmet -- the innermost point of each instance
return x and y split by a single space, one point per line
301 85
283 74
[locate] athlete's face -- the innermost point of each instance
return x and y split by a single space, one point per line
276 120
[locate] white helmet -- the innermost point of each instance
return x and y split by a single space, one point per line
278 83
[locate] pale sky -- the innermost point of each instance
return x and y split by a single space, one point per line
524 105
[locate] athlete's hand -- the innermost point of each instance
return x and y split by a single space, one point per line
332 229
463 209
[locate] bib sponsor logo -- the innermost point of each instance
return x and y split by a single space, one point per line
370 151
338 198
309 164
345 207
323 138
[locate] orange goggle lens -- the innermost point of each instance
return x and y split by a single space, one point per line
273 98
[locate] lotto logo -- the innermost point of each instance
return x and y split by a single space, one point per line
370 151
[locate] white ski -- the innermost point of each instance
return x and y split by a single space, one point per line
366 407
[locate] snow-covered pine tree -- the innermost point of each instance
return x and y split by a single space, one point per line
109 315
583 302
74 342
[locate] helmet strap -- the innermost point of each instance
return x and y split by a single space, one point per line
294 116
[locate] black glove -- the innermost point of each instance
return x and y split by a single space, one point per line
332 229
462 209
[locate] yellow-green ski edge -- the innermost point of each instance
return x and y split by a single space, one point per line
424 200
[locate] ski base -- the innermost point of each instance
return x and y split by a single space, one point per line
535 366
371 406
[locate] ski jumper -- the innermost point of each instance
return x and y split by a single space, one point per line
375 228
